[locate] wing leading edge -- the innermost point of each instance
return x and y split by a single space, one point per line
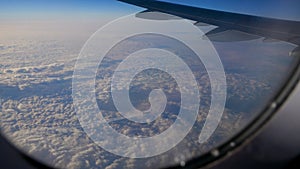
284 30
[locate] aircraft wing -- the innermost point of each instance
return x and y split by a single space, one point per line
236 26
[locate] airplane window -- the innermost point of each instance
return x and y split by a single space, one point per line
110 84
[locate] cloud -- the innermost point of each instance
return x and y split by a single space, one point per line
37 112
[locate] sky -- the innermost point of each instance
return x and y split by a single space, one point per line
49 9
65 19
288 9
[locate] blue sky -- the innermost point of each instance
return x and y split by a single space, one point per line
62 8
43 8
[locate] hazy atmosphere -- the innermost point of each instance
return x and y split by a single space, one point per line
40 42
